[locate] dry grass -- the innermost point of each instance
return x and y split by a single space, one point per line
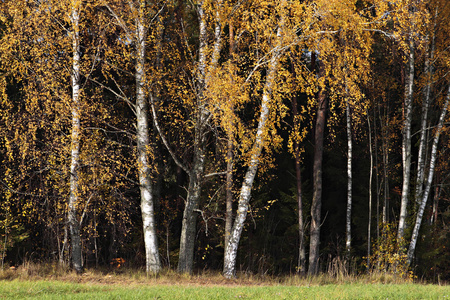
130 276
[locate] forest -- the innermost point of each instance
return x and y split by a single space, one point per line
260 136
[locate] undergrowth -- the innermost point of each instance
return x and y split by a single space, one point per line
52 271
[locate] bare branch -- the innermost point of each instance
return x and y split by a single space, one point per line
124 98
215 174
163 138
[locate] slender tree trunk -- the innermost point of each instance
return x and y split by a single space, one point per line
434 151
229 178
74 225
437 195
423 125
62 256
301 268
229 193
369 225
316 205
229 268
153 263
298 173
406 141
385 145
377 187
422 145
348 228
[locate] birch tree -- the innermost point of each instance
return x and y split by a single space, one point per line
206 64
49 65
273 56
410 19
435 40
75 141
136 22
426 192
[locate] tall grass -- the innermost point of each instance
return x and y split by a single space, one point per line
30 271
44 289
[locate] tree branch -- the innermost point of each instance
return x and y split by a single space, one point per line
163 138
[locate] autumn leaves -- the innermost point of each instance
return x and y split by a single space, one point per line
115 92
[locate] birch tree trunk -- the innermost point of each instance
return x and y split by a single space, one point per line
187 241
229 177
415 234
348 234
153 264
423 125
229 193
406 141
189 223
74 226
229 268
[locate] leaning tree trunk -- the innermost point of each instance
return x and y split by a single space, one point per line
415 234
74 226
316 205
153 264
423 126
406 141
229 268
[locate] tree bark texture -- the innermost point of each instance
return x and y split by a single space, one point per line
348 228
229 268
187 241
423 125
434 152
189 223
229 177
316 205
406 141
153 264
74 226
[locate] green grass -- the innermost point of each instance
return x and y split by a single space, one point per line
55 289
48 281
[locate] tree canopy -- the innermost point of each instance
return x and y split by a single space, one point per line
267 136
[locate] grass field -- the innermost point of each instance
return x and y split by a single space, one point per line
53 289
34 283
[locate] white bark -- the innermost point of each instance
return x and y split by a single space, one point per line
434 150
423 126
245 193
406 141
153 264
349 181
74 226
